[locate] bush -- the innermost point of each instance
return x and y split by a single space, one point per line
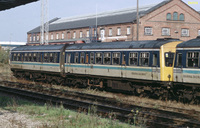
4 56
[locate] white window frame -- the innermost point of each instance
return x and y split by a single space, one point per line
148 31
199 32
185 32
87 33
165 31
37 37
51 36
110 31
57 36
128 30
30 38
118 31
81 34
63 36
74 35
33 38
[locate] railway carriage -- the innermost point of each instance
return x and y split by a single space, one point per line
35 62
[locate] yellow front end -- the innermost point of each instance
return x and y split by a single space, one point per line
167 59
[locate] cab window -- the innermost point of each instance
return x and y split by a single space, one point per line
169 58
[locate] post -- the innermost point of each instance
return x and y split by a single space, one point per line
138 20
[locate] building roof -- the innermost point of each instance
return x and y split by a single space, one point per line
7 4
114 17
190 43
155 44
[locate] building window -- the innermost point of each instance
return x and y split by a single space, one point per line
33 38
38 38
144 59
47 37
51 36
165 31
88 33
169 16
107 58
181 17
175 16
185 32
57 36
74 35
81 34
63 35
148 31
133 58
118 31
199 32
30 38
128 30
192 59
110 31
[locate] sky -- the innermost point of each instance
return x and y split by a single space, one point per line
16 22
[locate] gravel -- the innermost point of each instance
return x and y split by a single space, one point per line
15 120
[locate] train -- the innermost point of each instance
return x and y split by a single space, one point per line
152 67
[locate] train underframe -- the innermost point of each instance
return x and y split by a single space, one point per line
185 93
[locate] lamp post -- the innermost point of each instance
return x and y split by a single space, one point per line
138 20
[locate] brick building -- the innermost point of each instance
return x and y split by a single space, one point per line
168 19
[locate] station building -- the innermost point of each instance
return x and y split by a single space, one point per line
168 19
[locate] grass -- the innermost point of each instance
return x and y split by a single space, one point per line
58 117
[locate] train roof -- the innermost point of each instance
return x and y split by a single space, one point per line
155 44
39 48
190 43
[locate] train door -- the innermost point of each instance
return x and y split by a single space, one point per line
68 61
155 70
123 65
178 71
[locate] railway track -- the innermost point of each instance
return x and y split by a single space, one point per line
162 117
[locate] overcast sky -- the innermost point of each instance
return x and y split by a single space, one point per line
16 22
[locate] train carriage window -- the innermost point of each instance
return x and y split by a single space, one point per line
155 59
107 58
68 58
51 57
192 59
45 57
133 58
144 59
34 57
116 58
92 58
82 58
26 57
15 57
30 58
86 58
179 60
98 57
18 57
76 57
169 59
